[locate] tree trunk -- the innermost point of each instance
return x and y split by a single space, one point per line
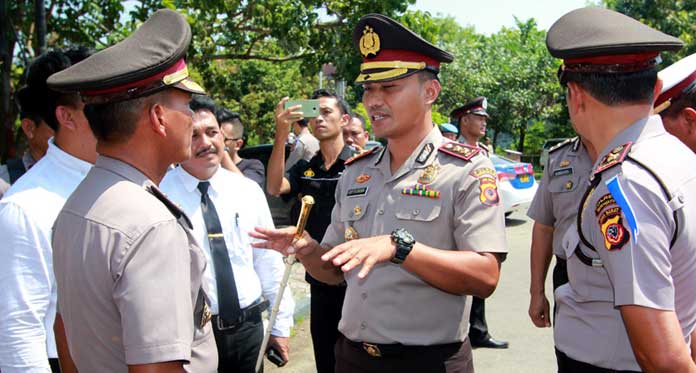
7 111
520 145
40 21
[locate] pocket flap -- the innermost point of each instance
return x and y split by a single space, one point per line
419 208
354 210
564 184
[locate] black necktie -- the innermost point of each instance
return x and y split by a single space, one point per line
228 299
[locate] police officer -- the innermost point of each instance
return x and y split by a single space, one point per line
129 273
554 210
630 303
677 101
417 227
471 118
449 131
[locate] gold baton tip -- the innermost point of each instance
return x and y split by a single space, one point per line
308 200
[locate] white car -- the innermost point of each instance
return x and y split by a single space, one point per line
516 184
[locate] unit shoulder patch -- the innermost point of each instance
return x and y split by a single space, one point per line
362 155
461 151
562 144
614 157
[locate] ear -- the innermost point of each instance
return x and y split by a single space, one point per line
158 122
28 127
575 97
65 117
345 119
657 90
689 115
431 90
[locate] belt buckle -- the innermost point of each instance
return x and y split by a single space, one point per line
371 349
221 324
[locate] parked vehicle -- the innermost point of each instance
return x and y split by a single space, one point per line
516 184
548 144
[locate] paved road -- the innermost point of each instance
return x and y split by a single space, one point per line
531 348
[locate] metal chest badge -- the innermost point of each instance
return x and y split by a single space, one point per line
206 315
350 234
362 178
429 174
564 163
357 211
309 172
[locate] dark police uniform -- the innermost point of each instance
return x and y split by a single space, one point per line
635 239
313 179
445 194
128 269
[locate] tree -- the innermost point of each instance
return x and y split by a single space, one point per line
674 17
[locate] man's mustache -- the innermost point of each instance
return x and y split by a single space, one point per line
212 149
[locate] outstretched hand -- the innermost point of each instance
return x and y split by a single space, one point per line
283 241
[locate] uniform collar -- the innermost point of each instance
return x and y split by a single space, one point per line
124 170
66 159
642 129
422 156
190 182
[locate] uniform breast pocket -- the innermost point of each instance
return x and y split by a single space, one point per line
419 209
564 184
590 283
353 214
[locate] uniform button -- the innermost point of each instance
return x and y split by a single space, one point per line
380 212
416 212
364 295
681 198
363 325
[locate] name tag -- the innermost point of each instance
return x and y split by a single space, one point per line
355 192
563 171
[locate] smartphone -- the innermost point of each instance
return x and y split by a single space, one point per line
309 109
274 356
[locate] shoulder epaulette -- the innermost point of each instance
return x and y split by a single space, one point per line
171 206
562 144
462 151
361 155
613 158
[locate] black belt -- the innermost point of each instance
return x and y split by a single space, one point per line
397 349
251 313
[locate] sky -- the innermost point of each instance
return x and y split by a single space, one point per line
488 16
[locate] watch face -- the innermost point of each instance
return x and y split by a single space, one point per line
404 236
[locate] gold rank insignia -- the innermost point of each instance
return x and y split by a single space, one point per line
362 178
369 42
357 211
564 163
569 185
206 315
350 234
429 174
309 172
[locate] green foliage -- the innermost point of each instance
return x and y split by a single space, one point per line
674 17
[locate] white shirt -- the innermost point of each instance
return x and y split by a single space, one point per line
241 206
27 284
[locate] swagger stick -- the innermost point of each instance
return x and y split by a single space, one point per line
307 203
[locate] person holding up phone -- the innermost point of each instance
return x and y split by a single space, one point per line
317 177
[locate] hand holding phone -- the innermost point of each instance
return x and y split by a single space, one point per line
275 357
309 108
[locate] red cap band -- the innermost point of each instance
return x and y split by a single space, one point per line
403 55
179 65
617 59
675 91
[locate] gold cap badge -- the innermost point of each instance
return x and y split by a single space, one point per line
369 42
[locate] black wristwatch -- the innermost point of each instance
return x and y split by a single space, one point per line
404 242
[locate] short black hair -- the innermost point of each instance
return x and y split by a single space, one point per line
226 115
617 88
203 102
360 118
342 104
40 100
115 122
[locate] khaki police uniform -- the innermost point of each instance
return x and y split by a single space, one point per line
637 246
446 200
129 275
557 199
